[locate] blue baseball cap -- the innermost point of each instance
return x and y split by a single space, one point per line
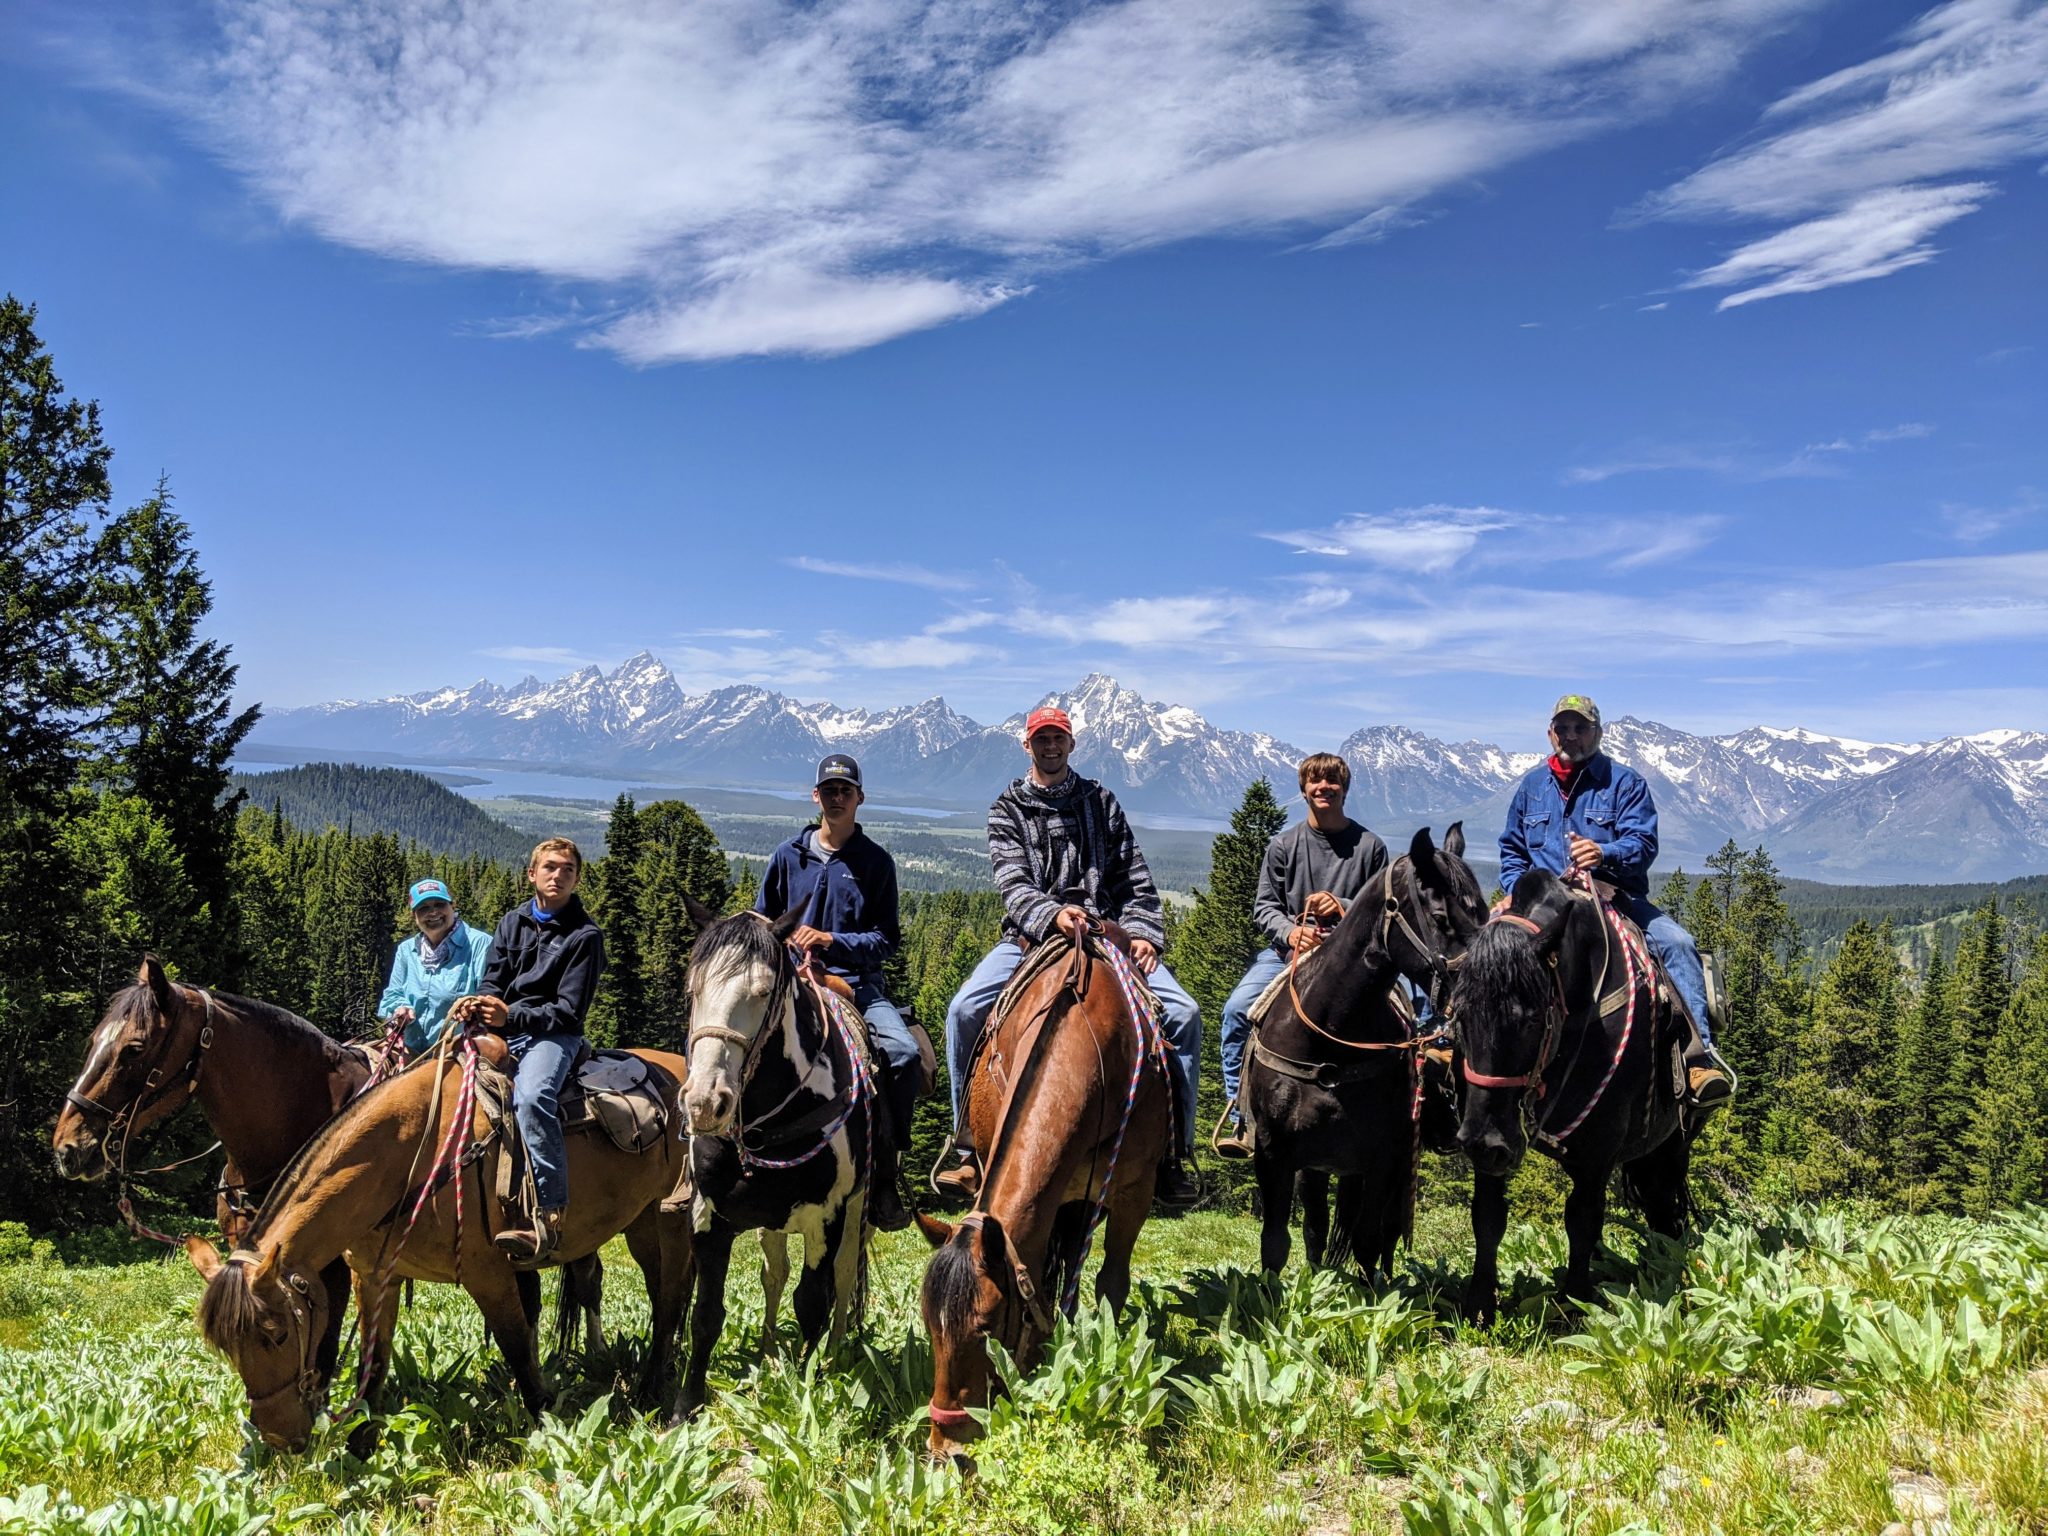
428 890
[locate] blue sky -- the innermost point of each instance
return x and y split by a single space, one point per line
1313 365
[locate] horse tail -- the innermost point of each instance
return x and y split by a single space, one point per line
1657 1184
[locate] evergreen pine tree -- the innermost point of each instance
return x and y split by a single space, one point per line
621 1003
1834 1109
53 497
1217 940
678 853
1919 1155
169 728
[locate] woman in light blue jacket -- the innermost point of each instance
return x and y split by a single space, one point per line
443 961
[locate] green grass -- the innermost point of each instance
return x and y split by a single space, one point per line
1796 1372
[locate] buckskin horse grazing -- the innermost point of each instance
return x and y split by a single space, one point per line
1071 1098
779 1100
1332 1078
355 1189
1561 1039
265 1080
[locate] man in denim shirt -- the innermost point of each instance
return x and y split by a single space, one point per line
1580 810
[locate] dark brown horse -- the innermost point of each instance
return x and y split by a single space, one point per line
351 1192
1071 1098
1330 1082
264 1078
1564 1040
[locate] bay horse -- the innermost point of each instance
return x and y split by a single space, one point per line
1562 1039
1332 1078
265 1080
353 1192
782 1121
1070 1097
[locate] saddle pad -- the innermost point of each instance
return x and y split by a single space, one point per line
1275 989
611 1072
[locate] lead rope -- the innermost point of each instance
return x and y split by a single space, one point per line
1635 969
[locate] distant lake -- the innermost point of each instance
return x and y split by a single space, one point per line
494 781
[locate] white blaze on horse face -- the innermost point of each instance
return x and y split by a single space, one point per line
103 1042
733 999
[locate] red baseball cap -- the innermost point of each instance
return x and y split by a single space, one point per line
1046 717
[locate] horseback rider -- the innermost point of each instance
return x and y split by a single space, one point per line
1310 874
846 885
1064 857
1580 811
546 959
444 961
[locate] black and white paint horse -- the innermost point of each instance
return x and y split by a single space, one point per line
779 1103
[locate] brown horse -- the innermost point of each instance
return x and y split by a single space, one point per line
1071 1098
350 1193
264 1078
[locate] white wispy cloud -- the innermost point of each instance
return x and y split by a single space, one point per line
1862 168
1875 236
901 573
908 652
1973 525
1427 540
739 178
1818 459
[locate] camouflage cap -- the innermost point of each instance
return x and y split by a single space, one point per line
1576 704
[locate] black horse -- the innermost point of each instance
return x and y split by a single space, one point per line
780 1116
1565 1037
1330 1079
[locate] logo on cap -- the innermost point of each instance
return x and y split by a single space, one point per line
428 890
1576 704
839 766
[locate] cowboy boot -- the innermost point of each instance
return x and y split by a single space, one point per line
524 1245
1708 1083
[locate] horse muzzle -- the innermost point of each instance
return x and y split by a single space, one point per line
712 1106
1492 1152
81 1157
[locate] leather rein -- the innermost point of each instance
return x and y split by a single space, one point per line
1393 917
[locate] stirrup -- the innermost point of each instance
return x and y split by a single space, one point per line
962 1179
530 1245
1236 1145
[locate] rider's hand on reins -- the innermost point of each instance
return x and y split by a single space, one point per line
1073 922
1144 956
1322 908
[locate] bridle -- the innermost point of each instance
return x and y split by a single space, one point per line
1022 1301
1393 918
122 1122
307 1381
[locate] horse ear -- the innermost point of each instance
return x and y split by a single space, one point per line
995 1249
204 1256
787 924
936 1232
152 976
1454 840
700 914
1421 851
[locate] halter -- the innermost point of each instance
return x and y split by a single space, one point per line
1553 1024
1393 915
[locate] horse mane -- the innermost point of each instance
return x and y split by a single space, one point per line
1502 961
229 1308
952 1284
343 1123
283 1024
735 942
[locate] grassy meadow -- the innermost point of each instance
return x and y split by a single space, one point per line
1797 1372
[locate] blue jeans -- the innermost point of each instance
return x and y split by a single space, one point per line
970 1007
1237 1025
545 1062
1677 953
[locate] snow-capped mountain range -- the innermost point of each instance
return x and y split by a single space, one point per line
1966 807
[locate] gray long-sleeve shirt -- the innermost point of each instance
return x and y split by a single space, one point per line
1301 861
